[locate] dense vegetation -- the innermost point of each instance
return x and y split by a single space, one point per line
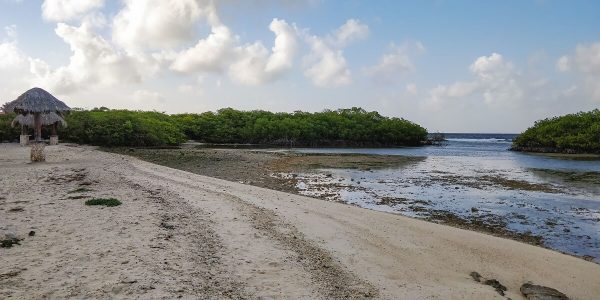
573 133
106 127
343 127
8 133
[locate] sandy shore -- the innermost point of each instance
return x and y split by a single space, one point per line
179 234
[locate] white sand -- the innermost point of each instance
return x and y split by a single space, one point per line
181 234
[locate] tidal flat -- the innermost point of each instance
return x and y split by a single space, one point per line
177 234
553 208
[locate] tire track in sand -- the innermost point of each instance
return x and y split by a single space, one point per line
328 277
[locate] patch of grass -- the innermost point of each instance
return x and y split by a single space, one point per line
79 190
106 202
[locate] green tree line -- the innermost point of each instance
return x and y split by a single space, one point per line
572 133
8 133
342 127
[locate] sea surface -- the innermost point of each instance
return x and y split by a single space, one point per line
476 176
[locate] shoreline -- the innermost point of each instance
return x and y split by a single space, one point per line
565 153
281 171
182 234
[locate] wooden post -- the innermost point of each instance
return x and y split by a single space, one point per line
24 140
37 121
54 135
37 149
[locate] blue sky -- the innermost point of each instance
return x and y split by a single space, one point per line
470 66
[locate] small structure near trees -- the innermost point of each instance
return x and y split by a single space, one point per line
37 102
50 119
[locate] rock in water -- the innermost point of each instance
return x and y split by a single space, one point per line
538 292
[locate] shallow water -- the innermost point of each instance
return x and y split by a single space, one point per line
476 176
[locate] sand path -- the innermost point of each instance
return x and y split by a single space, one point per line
179 234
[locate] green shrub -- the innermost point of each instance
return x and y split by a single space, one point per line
578 132
122 128
7 133
106 202
8 243
342 127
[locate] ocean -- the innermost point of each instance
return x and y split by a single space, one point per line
474 176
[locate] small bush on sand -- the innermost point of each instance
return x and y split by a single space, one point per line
106 202
8 243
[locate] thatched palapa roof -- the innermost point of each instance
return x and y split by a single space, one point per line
47 119
37 100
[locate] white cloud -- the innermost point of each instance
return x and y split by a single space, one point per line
255 66
11 32
209 54
185 88
94 62
250 64
411 88
284 49
587 59
563 64
352 30
65 10
395 62
142 27
144 96
158 24
585 63
491 67
440 95
326 65
193 89
14 76
500 83
496 82
10 54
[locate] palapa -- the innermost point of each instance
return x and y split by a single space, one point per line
47 119
37 101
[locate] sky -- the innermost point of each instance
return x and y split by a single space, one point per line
451 66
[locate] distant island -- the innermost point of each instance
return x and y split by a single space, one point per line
573 134
353 127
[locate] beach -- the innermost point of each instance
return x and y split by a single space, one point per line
473 184
180 234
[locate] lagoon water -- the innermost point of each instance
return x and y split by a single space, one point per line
476 176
